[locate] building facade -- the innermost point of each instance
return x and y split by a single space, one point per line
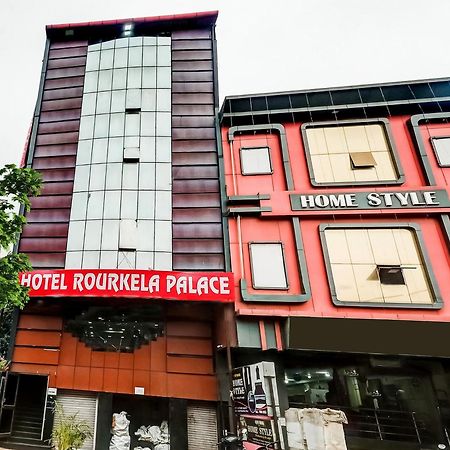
124 137
337 204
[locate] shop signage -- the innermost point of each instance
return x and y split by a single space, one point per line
196 286
249 390
259 430
370 200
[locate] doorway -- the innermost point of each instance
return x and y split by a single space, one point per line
23 406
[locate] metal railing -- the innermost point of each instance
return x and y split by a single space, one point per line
380 424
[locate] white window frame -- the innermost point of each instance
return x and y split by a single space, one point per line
269 160
436 151
253 264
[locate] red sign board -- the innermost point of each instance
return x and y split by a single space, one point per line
196 286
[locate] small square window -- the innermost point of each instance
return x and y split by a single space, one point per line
391 275
268 267
131 154
362 160
442 149
256 161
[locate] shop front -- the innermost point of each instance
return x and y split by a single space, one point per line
132 356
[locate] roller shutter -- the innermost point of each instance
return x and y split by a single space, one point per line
202 426
85 405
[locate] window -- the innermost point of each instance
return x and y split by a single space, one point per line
255 161
268 267
376 265
362 160
442 149
350 153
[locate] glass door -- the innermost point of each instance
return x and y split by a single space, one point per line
9 387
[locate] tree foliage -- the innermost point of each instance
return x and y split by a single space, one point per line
17 185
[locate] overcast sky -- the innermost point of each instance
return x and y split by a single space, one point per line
264 46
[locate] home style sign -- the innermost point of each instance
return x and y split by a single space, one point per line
196 286
370 200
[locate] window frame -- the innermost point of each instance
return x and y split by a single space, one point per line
432 282
436 153
253 148
252 268
342 123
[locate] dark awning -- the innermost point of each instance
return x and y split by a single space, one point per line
391 337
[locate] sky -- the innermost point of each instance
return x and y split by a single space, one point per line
263 45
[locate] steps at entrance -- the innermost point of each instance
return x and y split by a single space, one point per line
27 423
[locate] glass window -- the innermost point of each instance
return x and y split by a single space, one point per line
93 235
92 62
104 80
377 265
121 57
354 153
135 56
149 77
134 78
115 149
129 205
163 236
268 267
255 161
164 100
86 127
163 176
76 235
101 125
164 55
128 235
110 235
146 233
163 205
146 206
133 98
163 124
163 77
150 56
119 79
117 124
442 149
131 154
97 178
112 204
132 123
126 259
130 176
95 205
103 102
88 105
106 59
148 125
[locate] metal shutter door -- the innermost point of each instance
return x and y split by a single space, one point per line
202 426
85 405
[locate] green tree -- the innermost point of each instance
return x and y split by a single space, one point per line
17 185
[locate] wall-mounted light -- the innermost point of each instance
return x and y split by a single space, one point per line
127 29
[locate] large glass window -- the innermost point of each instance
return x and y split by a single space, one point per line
354 153
377 265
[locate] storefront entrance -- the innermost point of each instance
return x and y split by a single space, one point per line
22 408
384 399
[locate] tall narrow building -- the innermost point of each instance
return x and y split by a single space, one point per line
126 237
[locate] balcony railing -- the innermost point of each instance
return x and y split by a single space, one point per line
380 424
